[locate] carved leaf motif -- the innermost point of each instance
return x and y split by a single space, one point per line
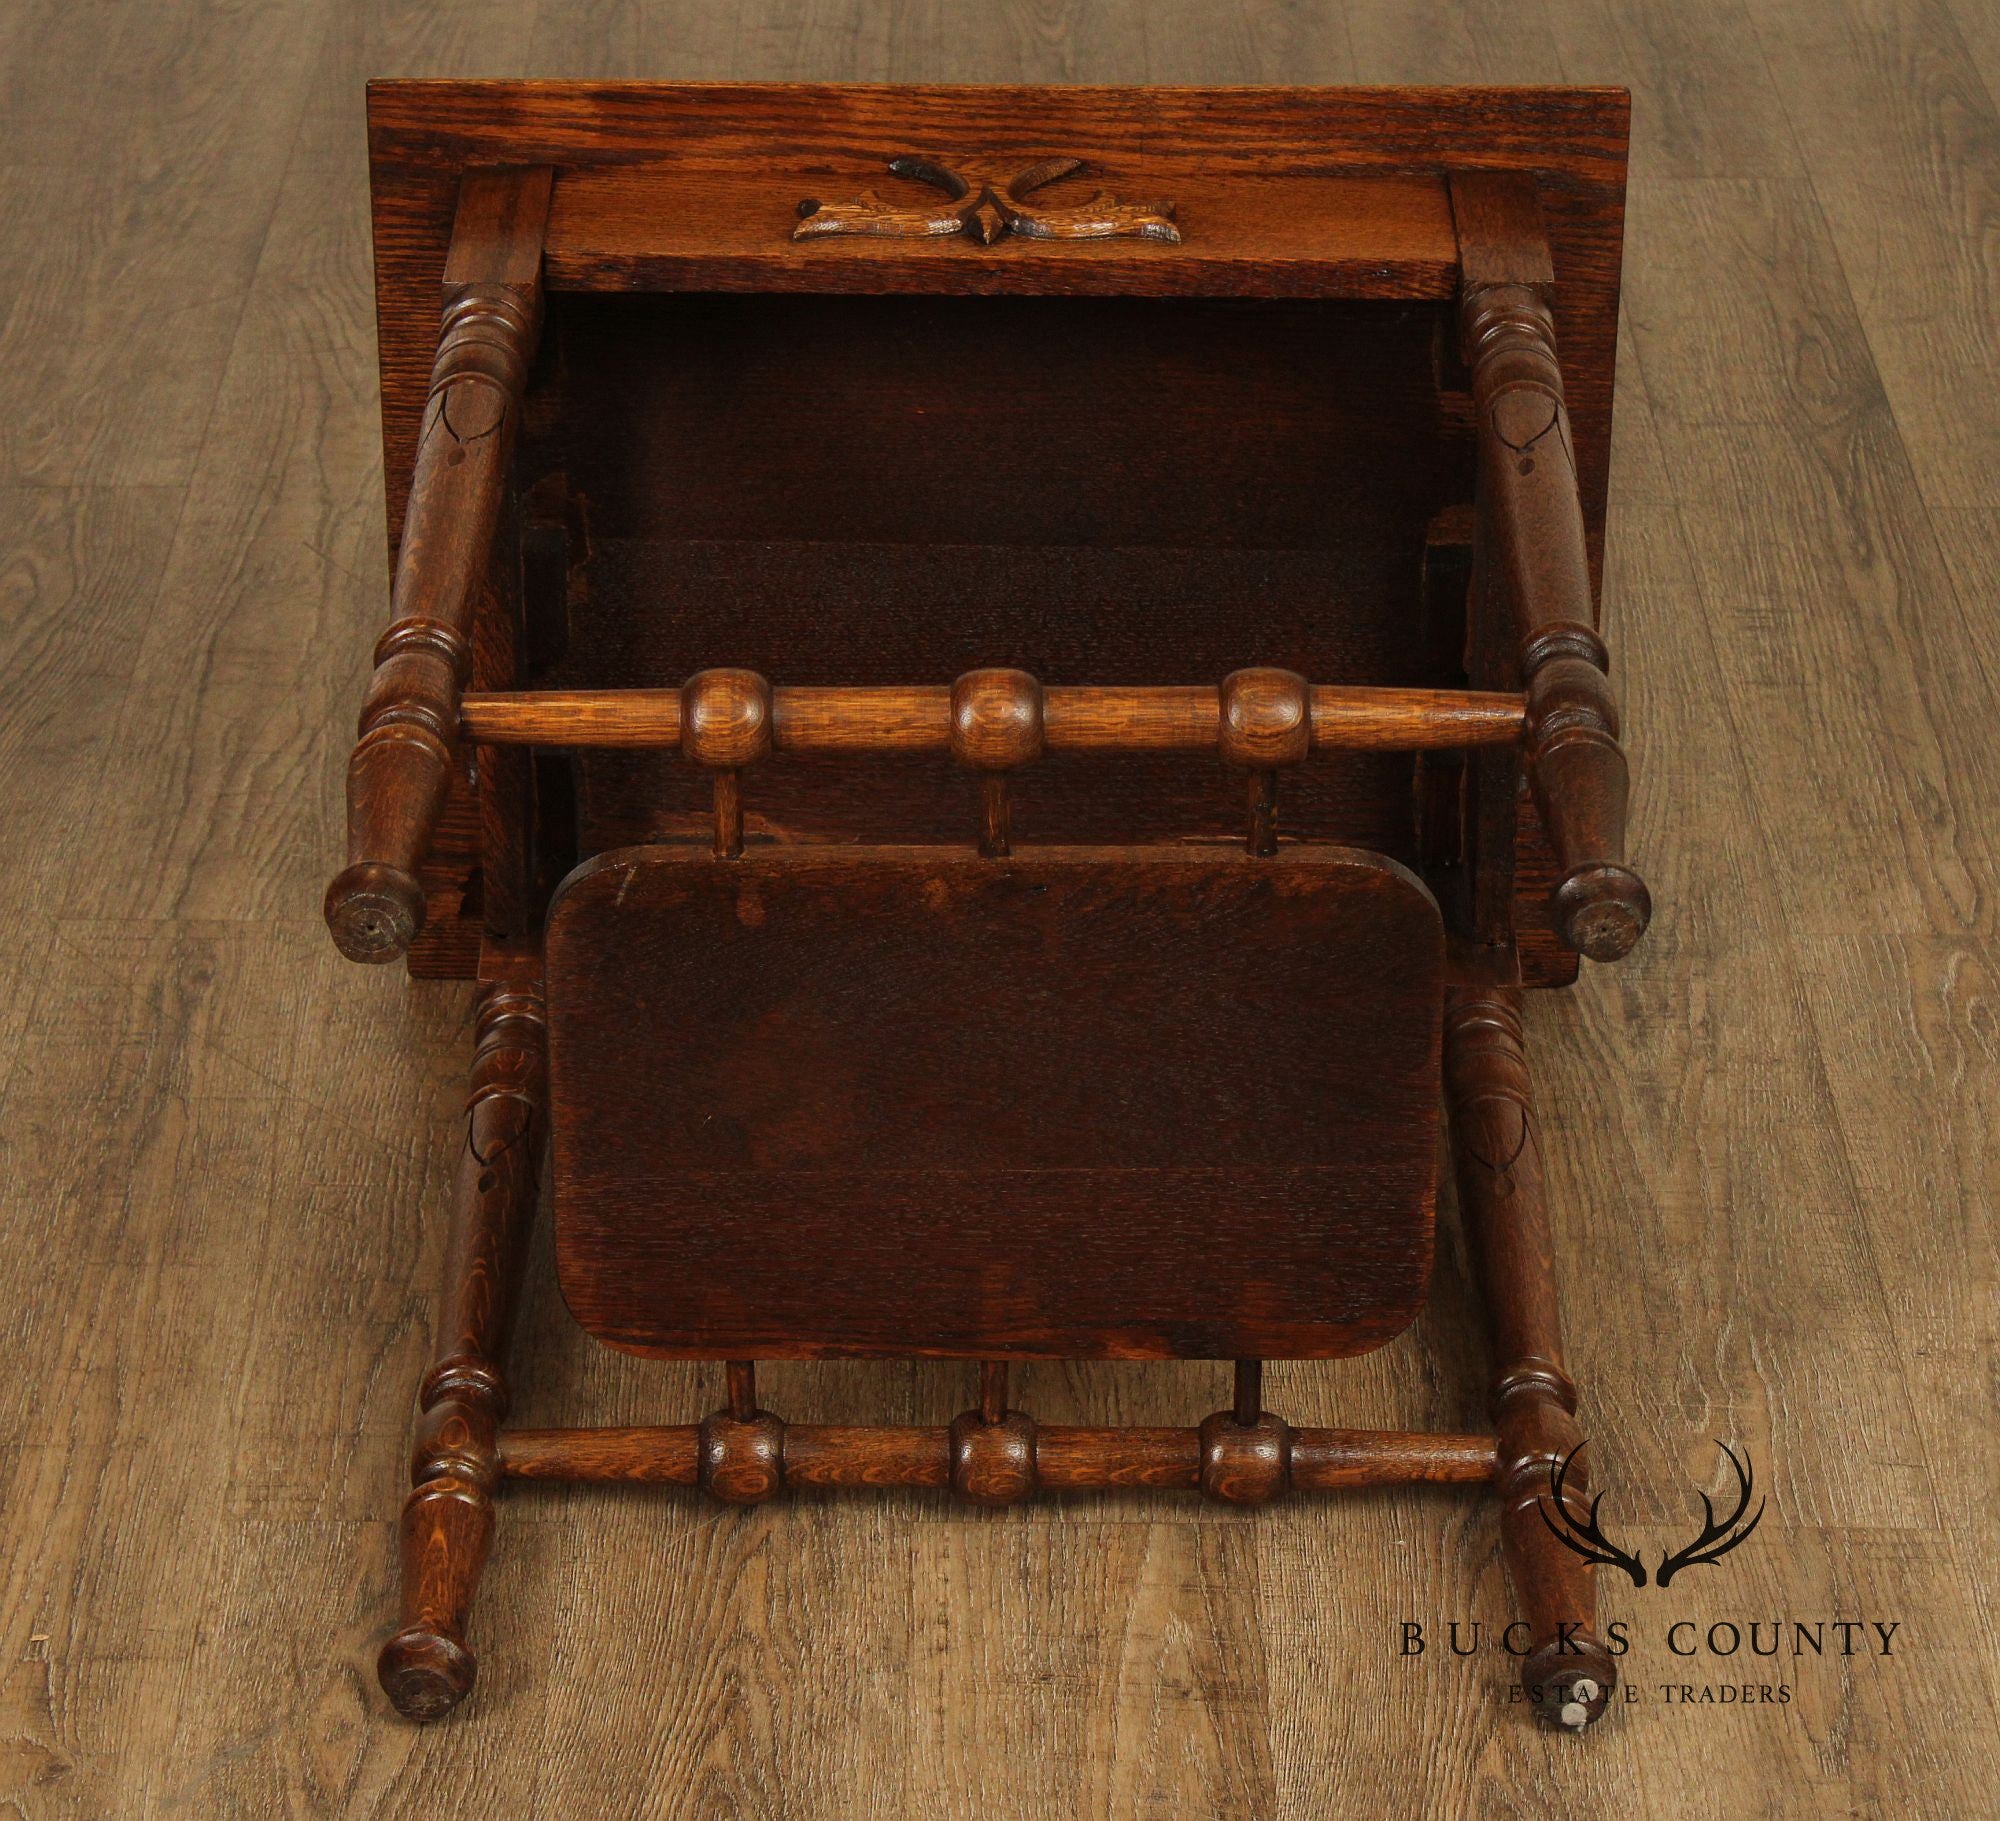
985 208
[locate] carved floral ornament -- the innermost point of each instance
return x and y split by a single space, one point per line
986 208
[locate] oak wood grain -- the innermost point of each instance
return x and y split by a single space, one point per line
1121 1103
229 1155
1080 718
679 226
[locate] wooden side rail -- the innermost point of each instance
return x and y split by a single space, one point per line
998 1461
401 770
923 718
1536 554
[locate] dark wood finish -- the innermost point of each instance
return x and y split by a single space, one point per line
1054 1457
423 133
740 1459
1116 439
1248 1403
666 1455
742 1389
1531 518
1443 594
1073 1104
426 1668
992 1390
993 1460
725 719
724 724
1266 718
820 1098
1567 1671
994 720
1279 191
443 1537
1266 721
996 816
1337 1460
829 1456
404 763
511 888
664 227
986 206
999 719
818 563
1261 832
1287 195
728 787
1245 1463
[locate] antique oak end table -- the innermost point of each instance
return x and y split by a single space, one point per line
1000 688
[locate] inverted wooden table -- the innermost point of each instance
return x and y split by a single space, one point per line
1001 689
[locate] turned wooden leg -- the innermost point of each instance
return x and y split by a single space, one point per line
399 775
426 1668
1568 1674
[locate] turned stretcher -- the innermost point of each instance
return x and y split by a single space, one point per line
999 729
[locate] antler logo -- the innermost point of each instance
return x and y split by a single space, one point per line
1587 1538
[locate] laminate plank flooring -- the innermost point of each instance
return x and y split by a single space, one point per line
224 1154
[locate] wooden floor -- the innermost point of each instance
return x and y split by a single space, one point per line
223 1153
